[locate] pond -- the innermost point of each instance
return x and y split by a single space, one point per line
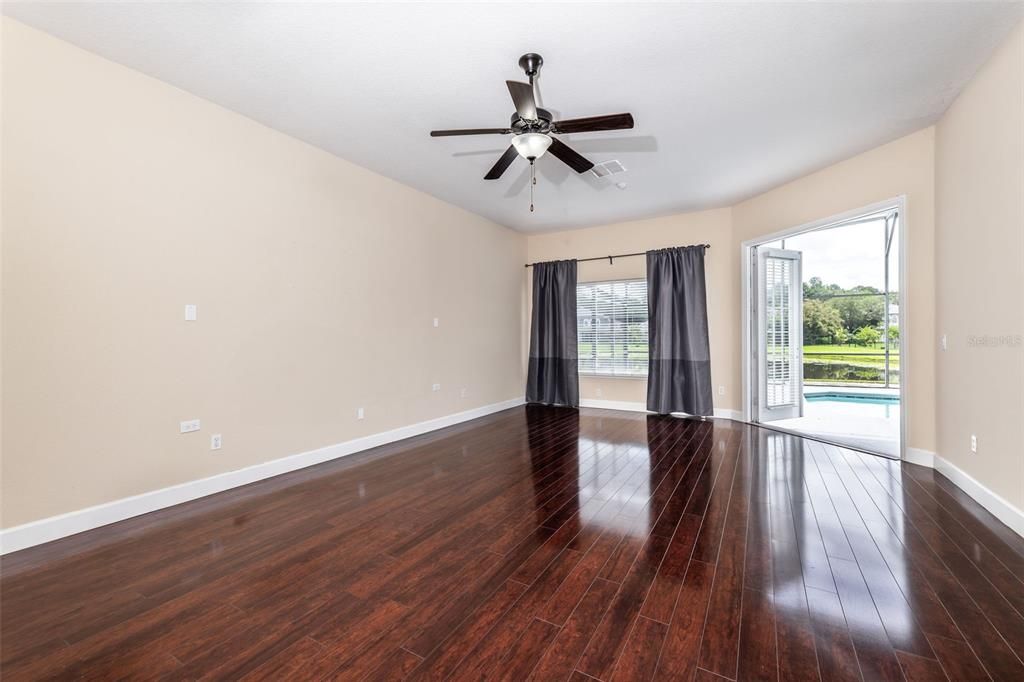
844 372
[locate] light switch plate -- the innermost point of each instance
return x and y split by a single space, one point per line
190 312
190 426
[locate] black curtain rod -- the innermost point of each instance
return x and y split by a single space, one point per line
610 259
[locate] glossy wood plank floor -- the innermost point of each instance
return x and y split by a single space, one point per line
544 544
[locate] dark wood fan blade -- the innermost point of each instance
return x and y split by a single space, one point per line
522 95
470 131
569 157
594 123
503 163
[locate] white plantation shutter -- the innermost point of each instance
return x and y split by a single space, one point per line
779 355
612 327
778 335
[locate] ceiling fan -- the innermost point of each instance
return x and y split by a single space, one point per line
532 127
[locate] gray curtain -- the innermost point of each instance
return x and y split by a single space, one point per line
679 369
553 373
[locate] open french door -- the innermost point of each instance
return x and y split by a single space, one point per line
779 335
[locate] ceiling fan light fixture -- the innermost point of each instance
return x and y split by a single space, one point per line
531 146
530 126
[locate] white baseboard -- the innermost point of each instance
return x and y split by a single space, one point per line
925 458
623 405
1000 508
627 406
55 527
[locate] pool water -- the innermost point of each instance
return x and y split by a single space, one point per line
838 406
853 398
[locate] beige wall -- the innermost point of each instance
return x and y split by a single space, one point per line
316 283
903 167
979 179
721 265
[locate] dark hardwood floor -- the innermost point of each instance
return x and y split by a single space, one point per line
544 544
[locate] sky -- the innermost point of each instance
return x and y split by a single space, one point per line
848 256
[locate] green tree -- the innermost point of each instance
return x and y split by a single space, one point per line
822 323
894 335
866 336
860 311
814 288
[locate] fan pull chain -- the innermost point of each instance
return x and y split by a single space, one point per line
533 181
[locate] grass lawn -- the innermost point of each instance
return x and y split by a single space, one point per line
605 349
866 356
856 355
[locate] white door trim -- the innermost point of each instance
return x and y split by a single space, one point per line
747 293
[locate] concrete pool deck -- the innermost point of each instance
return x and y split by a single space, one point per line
867 426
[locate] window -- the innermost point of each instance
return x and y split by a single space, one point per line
611 319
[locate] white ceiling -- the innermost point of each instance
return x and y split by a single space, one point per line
729 99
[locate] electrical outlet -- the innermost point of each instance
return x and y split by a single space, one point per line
215 441
943 343
437 322
435 387
721 390
190 312
598 392
359 413
463 392
974 443
190 426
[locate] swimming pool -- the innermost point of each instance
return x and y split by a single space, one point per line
852 398
852 410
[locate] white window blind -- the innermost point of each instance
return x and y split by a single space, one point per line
611 319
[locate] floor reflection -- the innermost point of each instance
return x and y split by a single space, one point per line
865 539
818 532
626 470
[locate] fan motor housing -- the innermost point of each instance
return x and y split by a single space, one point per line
541 125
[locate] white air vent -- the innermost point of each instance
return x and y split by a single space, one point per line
606 168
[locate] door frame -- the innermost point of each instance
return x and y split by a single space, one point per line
748 292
